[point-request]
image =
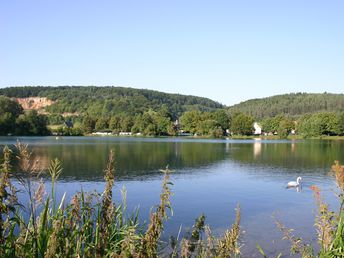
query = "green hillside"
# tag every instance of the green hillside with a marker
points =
(108, 101)
(294, 104)
(84, 110)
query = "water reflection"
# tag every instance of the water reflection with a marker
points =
(257, 148)
(84, 158)
(297, 188)
(294, 154)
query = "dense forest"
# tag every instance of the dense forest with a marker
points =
(112, 109)
(294, 105)
(85, 110)
(108, 101)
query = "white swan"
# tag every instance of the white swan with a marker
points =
(295, 184)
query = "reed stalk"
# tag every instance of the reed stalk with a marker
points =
(150, 240)
(4, 195)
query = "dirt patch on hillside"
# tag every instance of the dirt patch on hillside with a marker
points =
(34, 102)
(68, 114)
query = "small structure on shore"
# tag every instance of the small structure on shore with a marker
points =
(68, 124)
(125, 133)
(102, 133)
(257, 129)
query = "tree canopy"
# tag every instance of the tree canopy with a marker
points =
(242, 124)
(108, 101)
(148, 112)
(295, 104)
(9, 111)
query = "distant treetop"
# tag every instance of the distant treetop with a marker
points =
(294, 104)
(107, 101)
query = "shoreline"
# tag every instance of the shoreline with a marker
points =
(233, 137)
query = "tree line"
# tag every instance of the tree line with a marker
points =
(14, 121)
(219, 123)
(109, 101)
(294, 104)
(161, 121)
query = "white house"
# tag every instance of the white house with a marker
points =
(257, 129)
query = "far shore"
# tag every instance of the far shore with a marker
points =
(232, 137)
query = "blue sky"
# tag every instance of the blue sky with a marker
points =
(229, 51)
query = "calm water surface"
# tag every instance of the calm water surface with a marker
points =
(211, 176)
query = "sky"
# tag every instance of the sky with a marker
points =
(228, 51)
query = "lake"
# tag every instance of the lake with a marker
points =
(210, 176)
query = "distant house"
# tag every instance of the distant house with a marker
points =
(125, 133)
(102, 133)
(257, 129)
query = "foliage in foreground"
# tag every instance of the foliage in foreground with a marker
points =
(92, 225)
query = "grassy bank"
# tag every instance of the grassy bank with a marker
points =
(92, 225)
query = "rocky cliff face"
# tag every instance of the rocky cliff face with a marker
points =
(34, 102)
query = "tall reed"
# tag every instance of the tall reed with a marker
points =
(150, 240)
(6, 206)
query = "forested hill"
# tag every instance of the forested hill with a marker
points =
(100, 101)
(294, 104)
